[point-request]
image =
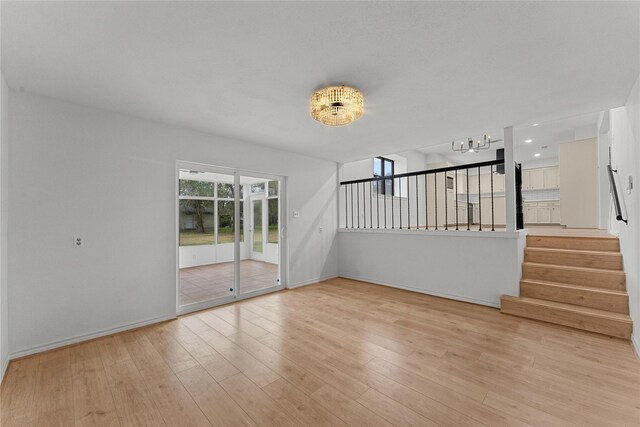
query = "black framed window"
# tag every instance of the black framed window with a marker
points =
(383, 167)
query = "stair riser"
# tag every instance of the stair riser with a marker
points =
(567, 318)
(597, 279)
(581, 297)
(611, 261)
(577, 243)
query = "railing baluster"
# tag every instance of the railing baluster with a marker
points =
(479, 201)
(378, 202)
(358, 201)
(371, 204)
(435, 187)
(468, 216)
(492, 220)
(417, 203)
(426, 204)
(457, 208)
(446, 213)
(393, 222)
(408, 205)
(351, 205)
(400, 200)
(384, 198)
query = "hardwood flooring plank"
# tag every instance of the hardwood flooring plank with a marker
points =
(261, 408)
(347, 409)
(217, 405)
(132, 399)
(300, 406)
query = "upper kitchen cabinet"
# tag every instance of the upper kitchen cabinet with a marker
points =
(551, 177)
(540, 178)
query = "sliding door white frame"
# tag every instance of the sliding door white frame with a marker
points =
(282, 240)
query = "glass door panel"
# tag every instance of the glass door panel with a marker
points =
(257, 227)
(206, 230)
(260, 264)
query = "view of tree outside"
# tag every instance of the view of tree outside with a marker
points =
(272, 211)
(197, 212)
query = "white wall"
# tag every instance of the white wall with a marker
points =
(111, 178)
(579, 183)
(468, 266)
(4, 171)
(625, 158)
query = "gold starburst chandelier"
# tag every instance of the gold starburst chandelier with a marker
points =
(337, 105)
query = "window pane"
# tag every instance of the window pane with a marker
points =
(225, 221)
(225, 191)
(196, 222)
(196, 188)
(257, 188)
(273, 221)
(388, 167)
(377, 167)
(273, 188)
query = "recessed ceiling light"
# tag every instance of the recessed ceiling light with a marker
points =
(535, 124)
(536, 155)
(528, 140)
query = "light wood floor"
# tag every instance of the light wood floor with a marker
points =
(337, 353)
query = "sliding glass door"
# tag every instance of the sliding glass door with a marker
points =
(229, 232)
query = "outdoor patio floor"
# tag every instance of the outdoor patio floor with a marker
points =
(211, 281)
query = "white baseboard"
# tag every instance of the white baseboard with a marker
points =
(311, 281)
(636, 346)
(86, 337)
(427, 292)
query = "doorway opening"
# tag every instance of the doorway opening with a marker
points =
(229, 235)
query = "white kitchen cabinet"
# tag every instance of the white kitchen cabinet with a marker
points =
(526, 179)
(551, 177)
(536, 179)
(555, 214)
(531, 214)
(545, 212)
(541, 178)
(544, 215)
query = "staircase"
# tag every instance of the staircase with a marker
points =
(575, 281)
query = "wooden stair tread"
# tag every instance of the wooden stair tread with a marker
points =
(561, 236)
(574, 251)
(572, 308)
(574, 268)
(577, 287)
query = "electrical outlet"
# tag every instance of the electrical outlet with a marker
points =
(296, 214)
(78, 241)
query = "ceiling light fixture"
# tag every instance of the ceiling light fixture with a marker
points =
(535, 124)
(536, 155)
(474, 146)
(528, 141)
(337, 105)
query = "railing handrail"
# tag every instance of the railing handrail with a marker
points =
(614, 191)
(426, 172)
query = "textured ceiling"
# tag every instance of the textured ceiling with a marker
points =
(430, 72)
